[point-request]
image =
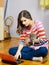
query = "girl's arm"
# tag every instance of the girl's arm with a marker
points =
(18, 53)
(21, 45)
(40, 32)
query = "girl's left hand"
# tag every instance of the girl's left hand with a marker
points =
(36, 41)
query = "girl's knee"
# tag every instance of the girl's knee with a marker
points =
(44, 51)
(13, 50)
(10, 51)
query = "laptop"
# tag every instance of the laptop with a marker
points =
(7, 58)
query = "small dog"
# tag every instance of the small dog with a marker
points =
(30, 40)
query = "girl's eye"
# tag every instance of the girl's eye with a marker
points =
(24, 20)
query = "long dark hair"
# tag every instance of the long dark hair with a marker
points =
(20, 26)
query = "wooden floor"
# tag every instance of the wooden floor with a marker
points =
(5, 45)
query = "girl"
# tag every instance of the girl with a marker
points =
(26, 26)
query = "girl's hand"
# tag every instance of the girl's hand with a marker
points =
(18, 54)
(36, 41)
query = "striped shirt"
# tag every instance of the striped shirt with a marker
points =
(38, 29)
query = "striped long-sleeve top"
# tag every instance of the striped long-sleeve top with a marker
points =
(38, 29)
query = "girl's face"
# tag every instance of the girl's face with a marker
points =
(25, 21)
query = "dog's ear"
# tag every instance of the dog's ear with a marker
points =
(32, 35)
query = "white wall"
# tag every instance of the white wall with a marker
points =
(15, 6)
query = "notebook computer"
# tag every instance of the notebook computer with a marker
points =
(7, 58)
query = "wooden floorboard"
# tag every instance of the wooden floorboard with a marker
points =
(6, 44)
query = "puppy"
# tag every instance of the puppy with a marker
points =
(30, 40)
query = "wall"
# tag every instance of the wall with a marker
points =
(15, 6)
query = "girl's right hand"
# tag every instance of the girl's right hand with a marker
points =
(18, 54)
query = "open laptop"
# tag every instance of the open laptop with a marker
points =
(9, 59)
